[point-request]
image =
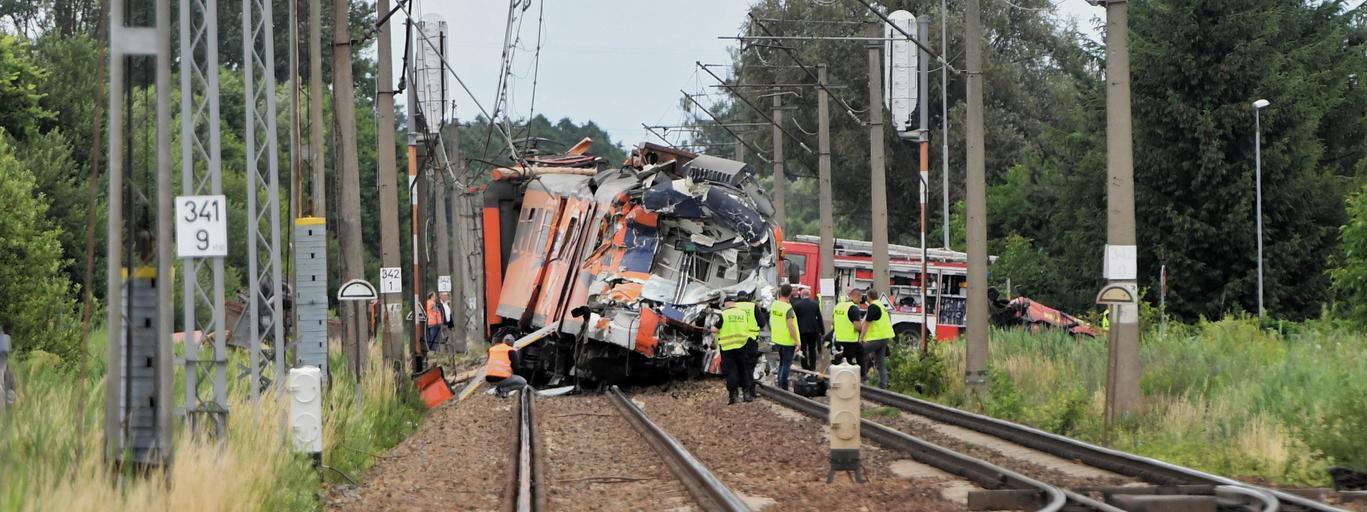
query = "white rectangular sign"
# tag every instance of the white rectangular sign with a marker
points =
(1121, 262)
(201, 226)
(443, 283)
(827, 287)
(391, 279)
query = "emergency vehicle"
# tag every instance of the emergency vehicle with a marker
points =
(946, 282)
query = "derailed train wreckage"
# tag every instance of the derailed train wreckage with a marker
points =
(628, 266)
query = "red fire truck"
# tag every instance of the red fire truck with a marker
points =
(946, 281)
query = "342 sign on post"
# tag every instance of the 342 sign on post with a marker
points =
(201, 226)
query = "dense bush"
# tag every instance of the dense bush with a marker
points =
(35, 299)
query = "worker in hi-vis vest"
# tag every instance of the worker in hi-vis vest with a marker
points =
(758, 319)
(877, 337)
(498, 370)
(434, 320)
(847, 328)
(783, 332)
(733, 336)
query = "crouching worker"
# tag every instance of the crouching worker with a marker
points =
(498, 370)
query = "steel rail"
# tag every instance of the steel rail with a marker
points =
(706, 488)
(529, 494)
(1144, 468)
(977, 470)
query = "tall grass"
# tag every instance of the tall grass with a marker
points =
(50, 462)
(1223, 396)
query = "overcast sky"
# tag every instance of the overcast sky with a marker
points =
(618, 63)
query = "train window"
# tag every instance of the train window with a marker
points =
(544, 233)
(566, 242)
(526, 231)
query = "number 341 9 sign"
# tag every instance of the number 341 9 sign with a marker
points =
(201, 226)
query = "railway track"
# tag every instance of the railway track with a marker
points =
(1048, 498)
(1153, 477)
(530, 487)
(1163, 475)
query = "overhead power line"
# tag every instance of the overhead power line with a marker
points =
(758, 152)
(767, 116)
(447, 66)
(807, 70)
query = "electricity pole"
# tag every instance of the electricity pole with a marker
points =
(414, 104)
(924, 136)
(348, 186)
(975, 357)
(882, 276)
(1122, 390)
(779, 181)
(944, 122)
(389, 202)
(317, 153)
(823, 165)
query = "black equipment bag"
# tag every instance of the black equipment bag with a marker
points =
(810, 386)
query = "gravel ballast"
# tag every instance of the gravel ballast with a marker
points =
(778, 459)
(457, 460)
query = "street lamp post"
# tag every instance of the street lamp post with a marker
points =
(1258, 192)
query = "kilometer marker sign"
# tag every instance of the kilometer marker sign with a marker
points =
(201, 226)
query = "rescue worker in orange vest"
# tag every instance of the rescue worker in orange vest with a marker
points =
(434, 320)
(733, 336)
(498, 370)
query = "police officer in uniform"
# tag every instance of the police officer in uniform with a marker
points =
(783, 332)
(847, 327)
(733, 338)
(758, 319)
(877, 338)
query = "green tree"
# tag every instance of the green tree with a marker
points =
(63, 183)
(21, 110)
(34, 290)
(1197, 67)
(1350, 277)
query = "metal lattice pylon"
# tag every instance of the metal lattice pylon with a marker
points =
(201, 173)
(263, 228)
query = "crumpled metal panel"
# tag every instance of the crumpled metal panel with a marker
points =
(672, 198)
(731, 212)
(673, 244)
(640, 241)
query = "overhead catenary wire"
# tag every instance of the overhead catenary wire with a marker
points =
(447, 66)
(807, 70)
(536, 66)
(758, 152)
(767, 116)
(500, 93)
(910, 37)
(658, 136)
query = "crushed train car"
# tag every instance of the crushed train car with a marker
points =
(630, 264)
